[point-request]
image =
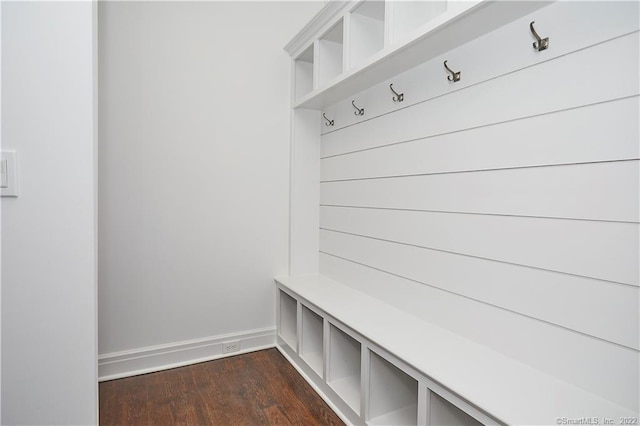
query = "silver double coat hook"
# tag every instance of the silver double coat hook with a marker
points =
(399, 97)
(455, 76)
(542, 43)
(358, 111)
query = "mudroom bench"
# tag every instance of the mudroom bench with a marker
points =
(375, 364)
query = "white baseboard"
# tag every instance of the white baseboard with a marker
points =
(117, 365)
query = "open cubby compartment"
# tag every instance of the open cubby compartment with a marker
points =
(366, 31)
(408, 16)
(304, 72)
(343, 373)
(288, 319)
(393, 394)
(311, 340)
(330, 53)
(444, 413)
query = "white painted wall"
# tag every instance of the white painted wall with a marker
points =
(194, 168)
(49, 346)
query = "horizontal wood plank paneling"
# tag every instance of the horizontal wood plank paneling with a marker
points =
(562, 83)
(597, 191)
(577, 303)
(566, 246)
(612, 370)
(558, 138)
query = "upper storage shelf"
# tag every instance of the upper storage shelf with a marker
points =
(330, 54)
(366, 31)
(369, 41)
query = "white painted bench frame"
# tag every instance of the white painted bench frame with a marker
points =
(485, 384)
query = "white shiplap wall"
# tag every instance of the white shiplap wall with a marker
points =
(504, 206)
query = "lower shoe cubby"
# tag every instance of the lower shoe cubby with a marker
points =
(393, 394)
(311, 340)
(288, 320)
(344, 367)
(444, 413)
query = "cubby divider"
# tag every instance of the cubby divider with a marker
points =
(393, 394)
(288, 319)
(311, 340)
(344, 372)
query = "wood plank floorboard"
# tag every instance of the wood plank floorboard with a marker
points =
(259, 388)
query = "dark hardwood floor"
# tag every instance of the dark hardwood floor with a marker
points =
(253, 389)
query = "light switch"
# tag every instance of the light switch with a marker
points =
(8, 174)
(4, 182)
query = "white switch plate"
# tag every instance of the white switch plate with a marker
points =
(8, 174)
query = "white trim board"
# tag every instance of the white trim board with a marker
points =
(150, 359)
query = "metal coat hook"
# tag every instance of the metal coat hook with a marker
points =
(329, 122)
(542, 43)
(358, 111)
(455, 76)
(399, 97)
